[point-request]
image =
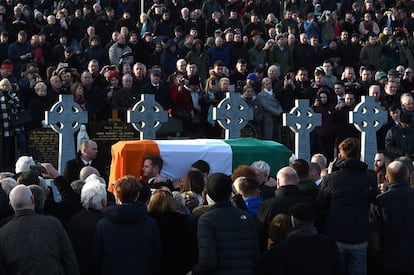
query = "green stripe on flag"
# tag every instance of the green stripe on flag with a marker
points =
(248, 150)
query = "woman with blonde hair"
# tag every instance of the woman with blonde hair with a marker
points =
(209, 99)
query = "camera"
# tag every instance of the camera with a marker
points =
(38, 169)
(183, 81)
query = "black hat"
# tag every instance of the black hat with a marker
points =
(406, 118)
(303, 211)
(156, 72)
(219, 187)
(394, 72)
(178, 29)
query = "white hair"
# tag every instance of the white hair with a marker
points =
(23, 163)
(95, 177)
(262, 166)
(93, 193)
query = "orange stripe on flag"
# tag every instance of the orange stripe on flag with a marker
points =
(129, 150)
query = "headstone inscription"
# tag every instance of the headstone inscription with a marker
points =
(232, 114)
(65, 118)
(302, 120)
(368, 117)
(106, 134)
(43, 145)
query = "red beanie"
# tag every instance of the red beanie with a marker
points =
(114, 74)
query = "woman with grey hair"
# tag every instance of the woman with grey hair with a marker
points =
(267, 184)
(81, 228)
(39, 103)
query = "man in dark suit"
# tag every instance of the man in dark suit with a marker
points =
(86, 157)
(151, 170)
(156, 87)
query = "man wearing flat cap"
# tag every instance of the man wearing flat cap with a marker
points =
(226, 235)
(157, 88)
(313, 253)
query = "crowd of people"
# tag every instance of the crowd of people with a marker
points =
(191, 53)
(311, 218)
(339, 218)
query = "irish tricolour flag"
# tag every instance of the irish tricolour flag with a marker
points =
(178, 155)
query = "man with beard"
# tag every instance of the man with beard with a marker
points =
(381, 161)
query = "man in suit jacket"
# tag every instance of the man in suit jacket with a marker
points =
(156, 87)
(151, 170)
(86, 157)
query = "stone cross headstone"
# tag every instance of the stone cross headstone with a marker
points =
(368, 117)
(147, 116)
(302, 120)
(232, 114)
(65, 118)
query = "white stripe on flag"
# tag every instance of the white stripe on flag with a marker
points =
(178, 155)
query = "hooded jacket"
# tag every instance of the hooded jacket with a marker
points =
(327, 111)
(347, 193)
(127, 240)
(169, 58)
(199, 58)
(257, 56)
